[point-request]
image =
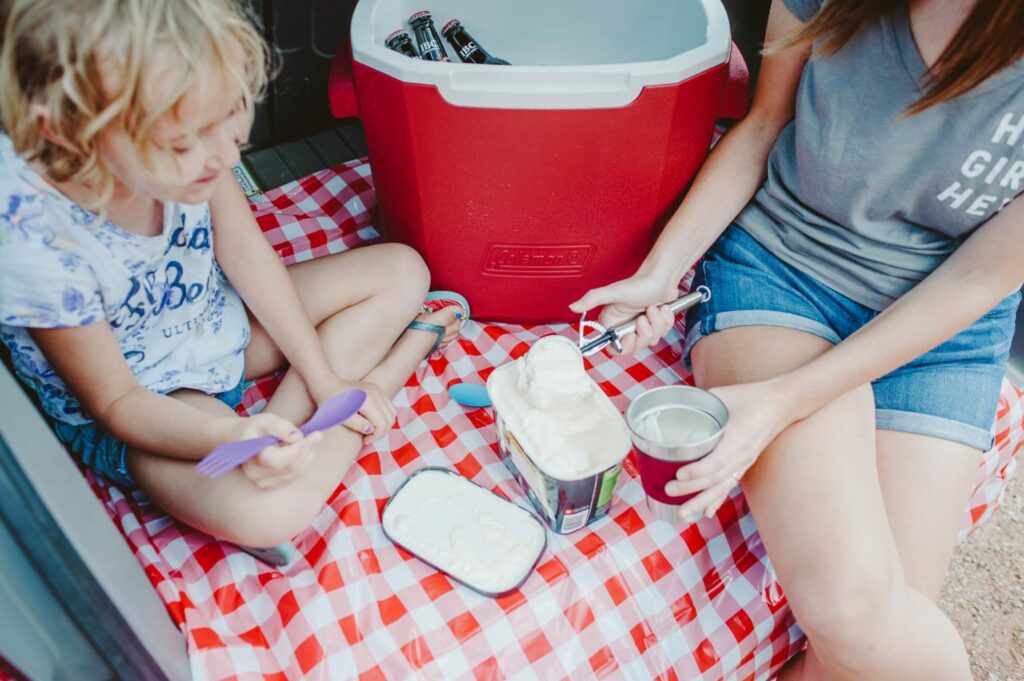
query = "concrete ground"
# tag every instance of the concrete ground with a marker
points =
(984, 593)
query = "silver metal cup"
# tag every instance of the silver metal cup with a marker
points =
(688, 425)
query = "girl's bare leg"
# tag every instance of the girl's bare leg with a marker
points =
(818, 504)
(361, 302)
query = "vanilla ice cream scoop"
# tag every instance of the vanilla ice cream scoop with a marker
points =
(559, 415)
(552, 371)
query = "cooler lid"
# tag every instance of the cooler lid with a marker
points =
(573, 54)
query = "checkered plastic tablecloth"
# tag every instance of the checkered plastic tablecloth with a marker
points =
(626, 598)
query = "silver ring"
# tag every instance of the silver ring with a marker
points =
(735, 477)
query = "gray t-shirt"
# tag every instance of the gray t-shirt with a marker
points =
(869, 203)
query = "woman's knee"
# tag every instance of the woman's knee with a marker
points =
(842, 610)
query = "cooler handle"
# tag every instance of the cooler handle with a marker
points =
(341, 85)
(736, 95)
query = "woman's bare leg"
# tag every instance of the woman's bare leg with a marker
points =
(926, 483)
(818, 504)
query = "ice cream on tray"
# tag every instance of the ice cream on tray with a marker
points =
(471, 534)
(562, 419)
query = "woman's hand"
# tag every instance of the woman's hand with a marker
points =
(373, 420)
(642, 294)
(758, 412)
(277, 464)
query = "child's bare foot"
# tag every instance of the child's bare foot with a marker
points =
(438, 324)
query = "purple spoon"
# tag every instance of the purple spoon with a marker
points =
(233, 454)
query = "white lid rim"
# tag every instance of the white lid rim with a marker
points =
(543, 87)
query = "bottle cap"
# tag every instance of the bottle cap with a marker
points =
(394, 35)
(450, 26)
(419, 15)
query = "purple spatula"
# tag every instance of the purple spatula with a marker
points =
(233, 454)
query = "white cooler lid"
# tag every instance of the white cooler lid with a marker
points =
(569, 54)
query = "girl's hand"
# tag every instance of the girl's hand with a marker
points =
(278, 464)
(374, 419)
(641, 294)
(758, 412)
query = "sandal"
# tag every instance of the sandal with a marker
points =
(438, 300)
(281, 555)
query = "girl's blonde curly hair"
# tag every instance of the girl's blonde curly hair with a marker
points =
(55, 54)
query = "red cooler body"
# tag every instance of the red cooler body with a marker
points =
(523, 186)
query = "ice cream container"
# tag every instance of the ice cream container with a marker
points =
(469, 533)
(559, 434)
(671, 427)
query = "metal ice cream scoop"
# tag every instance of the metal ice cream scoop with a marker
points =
(614, 335)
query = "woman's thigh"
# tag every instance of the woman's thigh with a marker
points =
(926, 483)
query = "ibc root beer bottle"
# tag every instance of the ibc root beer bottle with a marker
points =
(427, 38)
(400, 42)
(469, 50)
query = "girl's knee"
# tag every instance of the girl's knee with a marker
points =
(405, 268)
(264, 523)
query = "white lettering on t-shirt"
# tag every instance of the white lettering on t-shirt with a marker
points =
(995, 168)
(1012, 131)
(1013, 176)
(959, 197)
(980, 206)
(976, 163)
(994, 173)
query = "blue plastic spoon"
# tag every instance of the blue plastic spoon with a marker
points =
(470, 395)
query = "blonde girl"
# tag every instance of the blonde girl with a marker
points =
(137, 294)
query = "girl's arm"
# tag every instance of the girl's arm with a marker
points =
(730, 176)
(980, 273)
(260, 278)
(90, 363)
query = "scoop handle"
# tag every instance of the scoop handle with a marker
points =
(675, 307)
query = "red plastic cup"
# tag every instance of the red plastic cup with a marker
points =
(671, 427)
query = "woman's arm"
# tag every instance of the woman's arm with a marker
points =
(980, 273)
(728, 179)
(736, 167)
(260, 278)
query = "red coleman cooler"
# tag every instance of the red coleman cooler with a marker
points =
(523, 186)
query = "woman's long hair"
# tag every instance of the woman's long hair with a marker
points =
(990, 39)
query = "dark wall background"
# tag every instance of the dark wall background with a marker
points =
(307, 33)
(748, 19)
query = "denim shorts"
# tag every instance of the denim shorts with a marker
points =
(950, 392)
(107, 455)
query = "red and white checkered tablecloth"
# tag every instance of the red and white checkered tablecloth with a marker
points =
(626, 598)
